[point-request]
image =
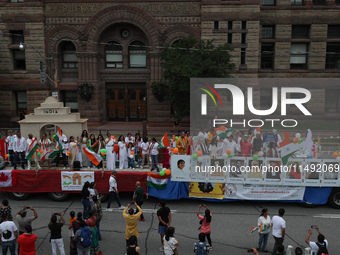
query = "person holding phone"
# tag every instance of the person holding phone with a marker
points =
(131, 221)
(205, 225)
(322, 243)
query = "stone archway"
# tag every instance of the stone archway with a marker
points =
(122, 14)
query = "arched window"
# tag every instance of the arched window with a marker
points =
(114, 55)
(68, 51)
(137, 54)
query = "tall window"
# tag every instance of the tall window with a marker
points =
(268, 32)
(216, 25)
(230, 38)
(267, 55)
(296, 2)
(230, 25)
(319, 2)
(17, 36)
(114, 55)
(243, 38)
(69, 57)
(333, 55)
(298, 55)
(19, 61)
(300, 32)
(332, 98)
(243, 56)
(268, 2)
(21, 99)
(137, 54)
(333, 32)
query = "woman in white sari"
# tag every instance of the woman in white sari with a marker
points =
(123, 160)
(110, 155)
(73, 152)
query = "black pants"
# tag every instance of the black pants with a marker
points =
(278, 241)
(140, 205)
(209, 239)
(58, 158)
(11, 156)
(19, 158)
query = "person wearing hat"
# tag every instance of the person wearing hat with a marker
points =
(65, 150)
(182, 144)
(113, 191)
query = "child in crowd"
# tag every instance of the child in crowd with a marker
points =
(131, 157)
(71, 232)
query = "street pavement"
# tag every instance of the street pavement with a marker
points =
(231, 223)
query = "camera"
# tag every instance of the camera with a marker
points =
(250, 250)
(56, 214)
(28, 207)
(313, 227)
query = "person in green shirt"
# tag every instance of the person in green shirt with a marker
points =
(138, 197)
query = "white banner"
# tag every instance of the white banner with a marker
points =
(75, 180)
(262, 192)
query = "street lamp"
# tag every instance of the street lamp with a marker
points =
(85, 90)
(42, 64)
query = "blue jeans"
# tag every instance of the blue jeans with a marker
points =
(87, 207)
(98, 225)
(113, 195)
(8, 245)
(132, 162)
(154, 159)
(89, 163)
(263, 239)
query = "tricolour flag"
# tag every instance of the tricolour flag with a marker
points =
(164, 141)
(8, 178)
(59, 139)
(157, 181)
(230, 131)
(287, 149)
(51, 154)
(32, 148)
(93, 157)
(253, 229)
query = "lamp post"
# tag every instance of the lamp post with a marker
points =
(85, 90)
(42, 65)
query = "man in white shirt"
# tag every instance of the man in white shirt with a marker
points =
(322, 242)
(29, 142)
(129, 139)
(10, 141)
(229, 144)
(278, 229)
(19, 148)
(113, 191)
(9, 234)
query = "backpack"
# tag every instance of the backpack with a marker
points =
(85, 237)
(322, 248)
(201, 248)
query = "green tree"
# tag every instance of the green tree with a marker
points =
(189, 58)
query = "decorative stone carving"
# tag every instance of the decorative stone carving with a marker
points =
(89, 9)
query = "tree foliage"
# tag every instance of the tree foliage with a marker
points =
(189, 58)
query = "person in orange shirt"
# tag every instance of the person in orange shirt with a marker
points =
(182, 144)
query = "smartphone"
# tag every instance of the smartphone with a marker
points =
(313, 227)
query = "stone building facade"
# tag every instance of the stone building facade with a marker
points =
(114, 46)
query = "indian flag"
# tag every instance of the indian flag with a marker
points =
(165, 141)
(58, 137)
(157, 181)
(288, 150)
(32, 148)
(50, 154)
(94, 157)
(230, 131)
(262, 228)
(253, 229)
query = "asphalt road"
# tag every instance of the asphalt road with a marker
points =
(230, 225)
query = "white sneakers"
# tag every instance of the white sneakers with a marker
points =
(121, 207)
